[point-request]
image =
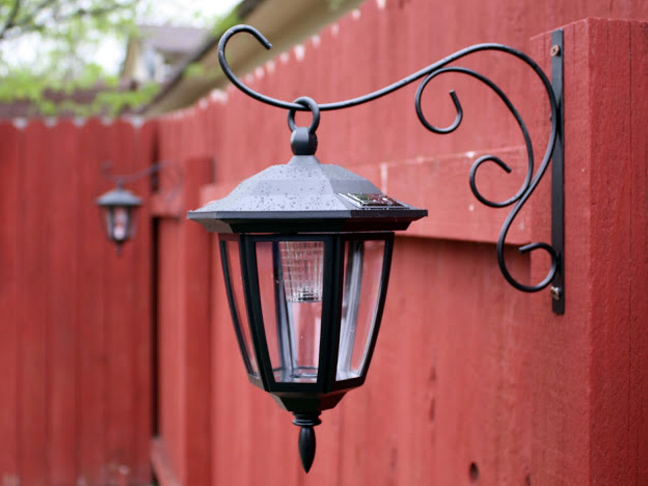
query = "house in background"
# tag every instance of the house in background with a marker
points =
(153, 55)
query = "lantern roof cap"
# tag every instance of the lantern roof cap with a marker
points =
(119, 197)
(305, 196)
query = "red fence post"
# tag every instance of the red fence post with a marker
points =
(590, 399)
(183, 453)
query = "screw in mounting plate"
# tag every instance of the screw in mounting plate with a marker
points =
(555, 293)
(555, 50)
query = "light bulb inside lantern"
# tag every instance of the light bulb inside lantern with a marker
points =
(302, 264)
(120, 224)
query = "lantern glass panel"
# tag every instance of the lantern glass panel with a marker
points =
(109, 218)
(363, 264)
(121, 218)
(291, 284)
(120, 222)
(234, 282)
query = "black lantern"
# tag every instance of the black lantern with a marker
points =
(306, 251)
(118, 209)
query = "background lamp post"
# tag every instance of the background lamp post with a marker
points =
(306, 250)
(306, 247)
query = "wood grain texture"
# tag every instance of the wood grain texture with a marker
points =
(638, 333)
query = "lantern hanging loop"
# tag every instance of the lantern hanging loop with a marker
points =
(303, 140)
(312, 106)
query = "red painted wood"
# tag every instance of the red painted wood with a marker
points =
(163, 207)
(33, 302)
(69, 377)
(638, 336)
(611, 243)
(170, 377)
(195, 281)
(589, 401)
(161, 462)
(9, 289)
(63, 244)
(91, 308)
(142, 318)
(184, 307)
(118, 295)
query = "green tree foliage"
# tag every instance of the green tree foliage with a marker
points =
(57, 40)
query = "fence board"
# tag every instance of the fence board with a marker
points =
(118, 324)
(32, 302)
(61, 172)
(91, 309)
(141, 275)
(9, 274)
(638, 338)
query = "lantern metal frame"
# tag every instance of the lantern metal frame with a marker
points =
(554, 152)
(333, 288)
(306, 400)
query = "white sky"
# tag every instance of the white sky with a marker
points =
(182, 11)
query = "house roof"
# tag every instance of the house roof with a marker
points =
(284, 22)
(173, 40)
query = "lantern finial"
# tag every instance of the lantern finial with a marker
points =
(307, 443)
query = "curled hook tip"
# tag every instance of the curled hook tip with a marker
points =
(249, 29)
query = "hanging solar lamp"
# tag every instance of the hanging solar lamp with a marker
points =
(118, 209)
(306, 250)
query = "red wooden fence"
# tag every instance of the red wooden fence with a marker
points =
(472, 382)
(75, 319)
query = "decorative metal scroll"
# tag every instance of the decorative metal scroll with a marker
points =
(153, 170)
(531, 180)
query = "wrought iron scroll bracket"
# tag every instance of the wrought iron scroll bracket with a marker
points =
(152, 170)
(554, 152)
